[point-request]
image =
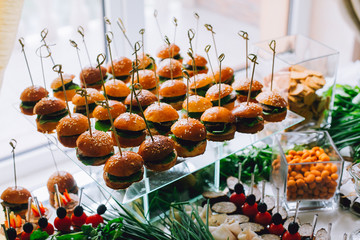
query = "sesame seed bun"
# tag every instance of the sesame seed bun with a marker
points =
(144, 60)
(276, 117)
(116, 108)
(129, 122)
(197, 104)
(56, 83)
(157, 150)
(145, 98)
(64, 180)
(116, 88)
(189, 129)
(91, 75)
(222, 137)
(162, 112)
(94, 95)
(164, 52)
(129, 142)
(98, 145)
(147, 79)
(226, 74)
(217, 114)
(272, 99)
(200, 61)
(49, 105)
(125, 164)
(70, 128)
(198, 150)
(172, 88)
(161, 167)
(213, 92)
(243, 110)
(122, 66)
(15, 195)
(165, 68)
(33, 94)
(243, 84)
(200, 81)
(69, 94)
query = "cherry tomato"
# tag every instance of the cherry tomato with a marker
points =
(289, 236)
(263, 218)
(250, 210)
(238, 199)
(94, 220)
(276, 229)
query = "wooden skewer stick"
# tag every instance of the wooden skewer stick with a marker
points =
(108, 22)
(43, 35)
(39, 54)
(137, 48)
(57, 68)
(157, 83)
(74, 44)
(186, 75)
(21, 41)
(220, 59)
(175, 26)
(207, 49)
(190, 53)
(272, 46)
(157, 23)
(253, 60)
(13, 144)
(109, 36)
(123, 30)
(210, 29)
(245, 36)
(83, 93)
(81, 31)
(142, 31)
(197, 17)
(166, 39)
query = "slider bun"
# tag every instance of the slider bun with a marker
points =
(94, 95)
(91, 75)
(64, 180)
(161, 167)
(116, 108)
(162, 112)
(275, 117)
(272, 99)
(172, 88)
(222, 137)
(200, 61)
(124, 165)
(164, 52)
(33, 94)
(49, 105)
(122, 66)
(47, 127)
(116, 88)
(165, 68)
(198, 150)
(155, 151)
(74, 125)
(27, 111)
(129, 122)
(97, 145)
(129, 142)
(15, 195)
(189, 129)
(217, 114)
(115, 185)
(143, 61)
(243, 110)
(243, 84)
(69, 94)
(147, 79)
(56, 83)
(213, 92)
(201, 80)
(145, 98)
(197, 104)
(246, 129)
(226, 73)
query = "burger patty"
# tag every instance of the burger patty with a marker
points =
(28, 105)
(173, 99)
(163, 79)
(250, 122)
(88, 161)
(268, 110)
(120, 99)
(196, 115)
(122, 78)
(197, 68)
(225, 100)
(100, 82)
(82, 108)
(135, 177)
(189, 145)
(161, 127)
(53, 117)
(68, 86)
(253, 94)
(202, 90)
(129, 134)
(14, 207)
(217, 127)
(169, 158)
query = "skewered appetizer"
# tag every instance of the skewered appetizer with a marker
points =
(145, 62)
(227, 75)
(145, 97)
(91, 78)
(169, 69)
(160, 118)
(227, 96)
(242, 87)
(165, 52)
(29, 97)
(147, 80)
(173, 92)
(122, 68)
(219, 124)
(201, 82)
(16, 199)
(195, 106)
(65, 181)
(248, 118)
(70, 87)
(102, 116)
(200, 65)
(274, 106)
(80, 103)
(116, 90)
(70, 128)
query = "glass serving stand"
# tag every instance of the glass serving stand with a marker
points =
(355, 174)
(186, 169)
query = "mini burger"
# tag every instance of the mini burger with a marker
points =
(80, 103)
(227, 75)
(122, 68)
(145, 97)
(122, 170)
(173, 92)
(165, 52)
(158, 154)
(160, 118)
(70, 87)
(102, 116)
(169, 69)
(189, 136)
(16, 198)
(65, 182)
(197, 106)
(116, 90)
(130, 130)
(200, 65)
(49, 112)
(201, 82)
(242, 87)
(147, 80)
(70, 128)
(145, 62)
(227, 96)
(29, 97)
(248, 118)
(274, 106)
(94, 149)
(91, 77)
(219, 123)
